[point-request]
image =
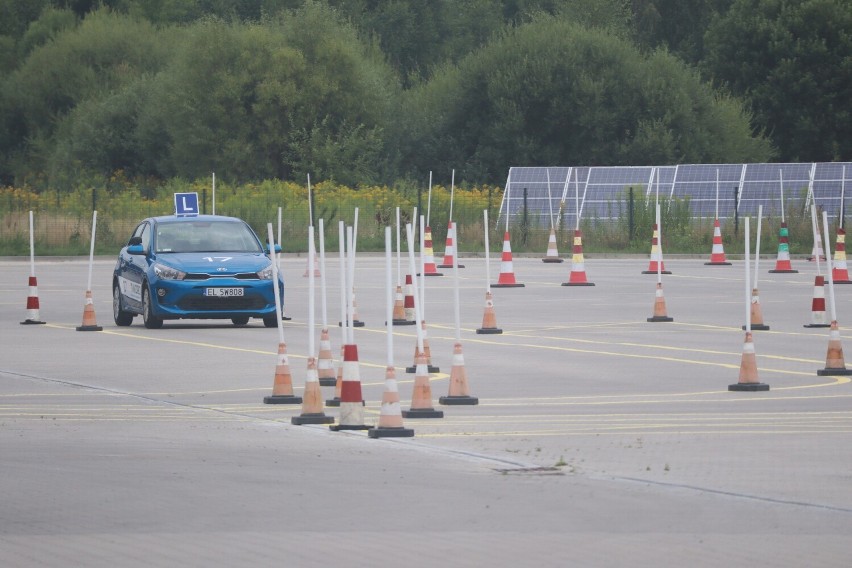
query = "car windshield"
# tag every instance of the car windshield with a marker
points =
(205, 236)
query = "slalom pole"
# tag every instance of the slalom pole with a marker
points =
(275, 285)
(322, 275)
(452, 195)
(398, 257)
(429, 200)
(214, 193)
(815, 231)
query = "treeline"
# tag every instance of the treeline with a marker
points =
(366, 92)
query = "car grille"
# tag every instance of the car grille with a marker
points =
(204, 304)
(202, 276)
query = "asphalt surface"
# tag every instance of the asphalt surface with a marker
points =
(600, 439)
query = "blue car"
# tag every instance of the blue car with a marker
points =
(195, 267)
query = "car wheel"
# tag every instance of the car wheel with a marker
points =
(151, 321)
(121, 317)
(242, 320)
(270, 321)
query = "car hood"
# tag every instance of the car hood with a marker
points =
(217, 263)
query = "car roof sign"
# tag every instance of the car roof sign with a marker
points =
(186, 204)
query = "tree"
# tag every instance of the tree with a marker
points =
(792, 61)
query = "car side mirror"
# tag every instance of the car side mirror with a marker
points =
(135, 249)
(277, 248)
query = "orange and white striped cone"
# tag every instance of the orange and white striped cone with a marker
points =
(756, 312)
(421, 398)
(459, 392)
(656, 264)
(282, 388)
(552, 254)
(429, 268)
(408, 302)
(426, 351)
(32, 304)
(390, 415)
(818, 318)
(717, 254)
(312, 408)
(817, 251)
(325, 361)
(399, 308)
(839, 270)
(577, 277)
(489, 319)
(351, 402)
(308, 267)
(507, 270)
(659, 306)
(338, 384)
(89, 321)
(834, 361)
(450, 249)
(748, 380)
(782, 262)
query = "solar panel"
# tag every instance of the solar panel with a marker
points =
(565, 194)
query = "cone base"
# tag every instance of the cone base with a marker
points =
(660, 318)
(333, 401)
(33, 322)
(489, 330)
(783, 271)
(339, 427)
(90, 328)
(286, 318)
(329, 382)
(431, 274)
(516, 285)
(549, 259)
(748, 387)
(356, 323)
(449, 266)
(817, 325)
(758, 327)
(402, 322)
(282, 399)
(430, 368)
(842, 282)
(717, 264)
(656, 272)
(312, 419)
(834, 371)
(423, 413)
(391, 433)
(578, 284)
(458, 400)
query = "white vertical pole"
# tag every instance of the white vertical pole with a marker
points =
(828, 267)
(842, 197)
(815, 230)
(271, 239)
(757, 245)
(747, 282)
(429, 199)
(92, 250)
(659, 244)
(278, 254)
(213, 199)
(487, 254)
(717, 194)
(422, 268)
(32, 246)
(389, 295)
(577, 201)
(411, 267)
(311, 291)
(310, 203)
(452, 195)
(344, 313)
(456, 295)
(398, 256)
(550, 199)
(781, 175)
(324, 302)
(350, 289)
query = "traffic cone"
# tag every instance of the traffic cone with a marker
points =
(312, 409)
(489, 319)
(429, 268)
(426, 351)
(818, 304)
(399, 309)
(32, 304)
(839, 271)
(459, 392)
(756, 312)
(338, 384)
(325, 363)
(351, 403)
(659, 306)
(834, 362)
(355, 321)
(748, 380)
(577, 277)
(282, 388)
(390, 416)
(656, 264)
(408, 303)
(449, 250)
(717, 254)
(782, 262)
(421, 399)
(507, 272)
(817, 251)
(552, 254)
(89, 322)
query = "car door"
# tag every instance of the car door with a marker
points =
(133, 267)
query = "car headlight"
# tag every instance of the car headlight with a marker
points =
(266, 273)
(168, 273)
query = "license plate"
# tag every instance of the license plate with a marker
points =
(223, 292)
